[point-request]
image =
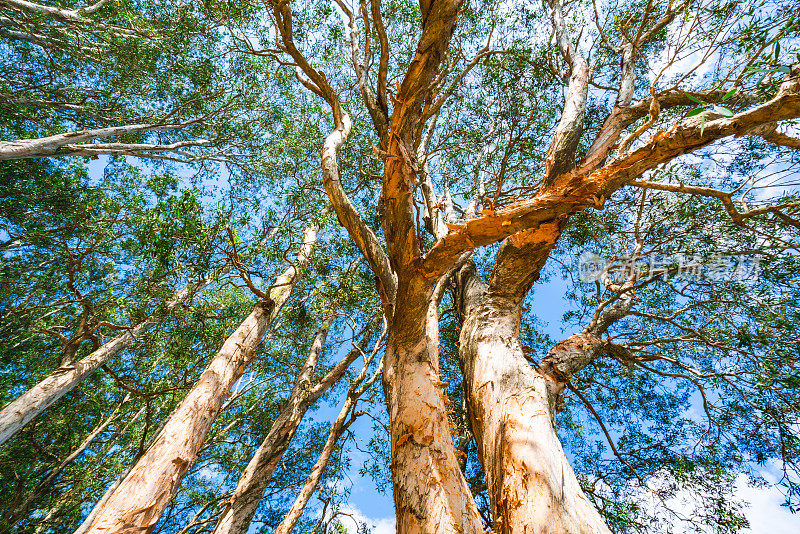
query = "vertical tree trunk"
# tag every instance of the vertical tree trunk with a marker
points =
(30, 404)
(138, 502)
(343, 421)
(511, 405)
(430, 492)
(240, 509)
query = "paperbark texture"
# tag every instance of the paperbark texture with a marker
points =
(430, 492)
(138, 502)
(511, 408)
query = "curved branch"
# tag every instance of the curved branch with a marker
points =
(348, 216)
(586, 187)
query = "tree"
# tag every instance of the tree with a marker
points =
(534, 115)
(530, 227)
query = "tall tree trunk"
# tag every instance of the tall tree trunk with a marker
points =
(138, 502)
(343, 421)
(511, 407)
(241, 507)
(430, 492)
(87, 522)
(37, 399)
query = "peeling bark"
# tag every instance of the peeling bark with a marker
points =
(532, 487)
(588, 186)
(138, 502)
(430, 492)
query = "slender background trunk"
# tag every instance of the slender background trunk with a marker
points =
(346, 417)
(30, 404)
(241, 507)
(138, 502)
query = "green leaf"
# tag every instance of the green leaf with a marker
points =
(729, 94)
(777, 49)
(784, 69)
(724, 111)
(695, 111)
(693, 99)
(702, 124)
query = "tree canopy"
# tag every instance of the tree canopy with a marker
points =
(529, 266)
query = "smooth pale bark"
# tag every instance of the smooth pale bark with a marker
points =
(69, 15)
(30, 404)
(560, 155)
(241, 507)
(511, 406)
(73, 143)
(138, 502)
(340, 425)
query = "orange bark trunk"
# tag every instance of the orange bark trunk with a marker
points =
(430, 492)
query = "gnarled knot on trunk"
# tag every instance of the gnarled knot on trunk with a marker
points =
(266, 304)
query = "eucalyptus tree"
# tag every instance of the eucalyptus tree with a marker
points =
(528, 113)
(582, 167)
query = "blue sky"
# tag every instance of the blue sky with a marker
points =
(765, 513)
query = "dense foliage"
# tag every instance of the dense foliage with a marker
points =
(214, 173)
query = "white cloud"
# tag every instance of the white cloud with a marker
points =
(381, 525)
(765, 512)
